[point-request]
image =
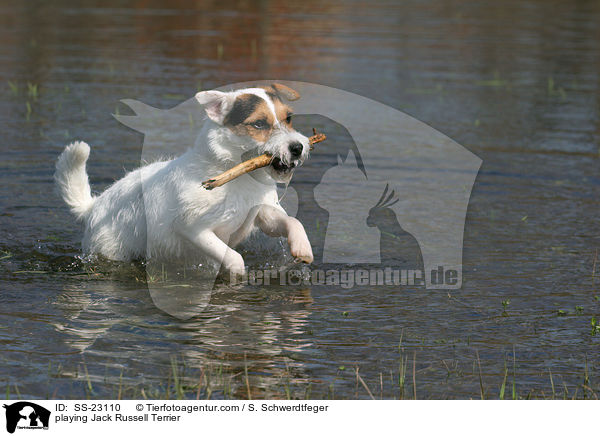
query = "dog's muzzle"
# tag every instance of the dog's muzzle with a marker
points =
(289, 157)
(282, 168)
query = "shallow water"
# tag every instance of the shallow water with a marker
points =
(514, 82)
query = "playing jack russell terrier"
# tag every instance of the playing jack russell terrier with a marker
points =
(162, 209)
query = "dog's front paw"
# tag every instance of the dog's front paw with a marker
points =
(233, 275)
(300, 248)
(235, 265)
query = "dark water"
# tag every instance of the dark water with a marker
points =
(516, 82)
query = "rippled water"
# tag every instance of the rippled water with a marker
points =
(515, 82)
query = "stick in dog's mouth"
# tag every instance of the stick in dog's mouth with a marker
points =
(257, 162)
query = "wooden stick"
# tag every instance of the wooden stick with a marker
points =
(252, 164)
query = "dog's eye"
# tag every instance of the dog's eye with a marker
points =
(260, 124)
(288, 119)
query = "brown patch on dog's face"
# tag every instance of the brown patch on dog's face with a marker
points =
(251, 116)
(277, 92)
(284, 112)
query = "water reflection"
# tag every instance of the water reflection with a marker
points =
(247, 329)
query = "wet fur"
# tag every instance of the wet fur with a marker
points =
(160, 209)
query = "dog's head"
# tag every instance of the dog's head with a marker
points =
(257, 118)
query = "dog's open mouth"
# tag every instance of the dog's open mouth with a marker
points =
(280, 167)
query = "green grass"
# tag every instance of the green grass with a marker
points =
(223, 381)
(503, 385)
(32, 90)
(595, 326)
(178, 97)
(554, 91)
(505, 304)
(14, 88)
(495, 82)
(438, 89)
(214, 382)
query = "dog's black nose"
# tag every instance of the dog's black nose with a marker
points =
(295, 149)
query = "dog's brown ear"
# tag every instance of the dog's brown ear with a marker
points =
(289, 93)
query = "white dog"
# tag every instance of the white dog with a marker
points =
(160, 209)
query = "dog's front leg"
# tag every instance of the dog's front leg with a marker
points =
(211, 245)
(275, 222)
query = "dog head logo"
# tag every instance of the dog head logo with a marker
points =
(429, 174)
(26, 415)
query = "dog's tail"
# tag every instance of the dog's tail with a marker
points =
(72, 180)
